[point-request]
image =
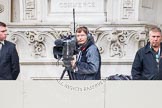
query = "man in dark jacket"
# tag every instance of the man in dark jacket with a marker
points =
(9, 60)
(146, 65)
(88, 62)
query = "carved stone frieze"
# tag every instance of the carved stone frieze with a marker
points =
(33, 39)
(112, 42)
(117, 40)
(14, 38)
(36, 39)
(58, 34)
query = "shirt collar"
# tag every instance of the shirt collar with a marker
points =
(2, 42)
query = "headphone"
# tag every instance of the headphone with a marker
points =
(89, 35)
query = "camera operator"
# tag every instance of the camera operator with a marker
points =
(87, 63)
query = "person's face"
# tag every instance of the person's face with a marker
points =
(81, 37)
(155, 39)
(3, 33)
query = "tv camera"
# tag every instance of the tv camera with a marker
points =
(65, 48)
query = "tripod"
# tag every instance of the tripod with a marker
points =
(70, 72)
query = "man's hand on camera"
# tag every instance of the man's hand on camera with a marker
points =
(73, 62)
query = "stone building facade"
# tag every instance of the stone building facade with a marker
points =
(119, 28)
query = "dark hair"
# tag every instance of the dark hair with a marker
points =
(84, 29)
(2, 24)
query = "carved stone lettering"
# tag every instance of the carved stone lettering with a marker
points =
(30, 10)
(128, 9)
(79, 5)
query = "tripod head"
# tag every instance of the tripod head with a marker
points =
(70, 71)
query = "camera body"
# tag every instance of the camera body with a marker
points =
(65, 48)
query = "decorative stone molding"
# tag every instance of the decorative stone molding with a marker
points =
(1, 8)
(128, 9)
(113, 42)
(36, 39)
(140, 36)
(14, 36)
(57, 34)
(33, 39)
(117, 40)
(30, 10)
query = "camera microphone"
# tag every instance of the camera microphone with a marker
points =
(58, 42)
